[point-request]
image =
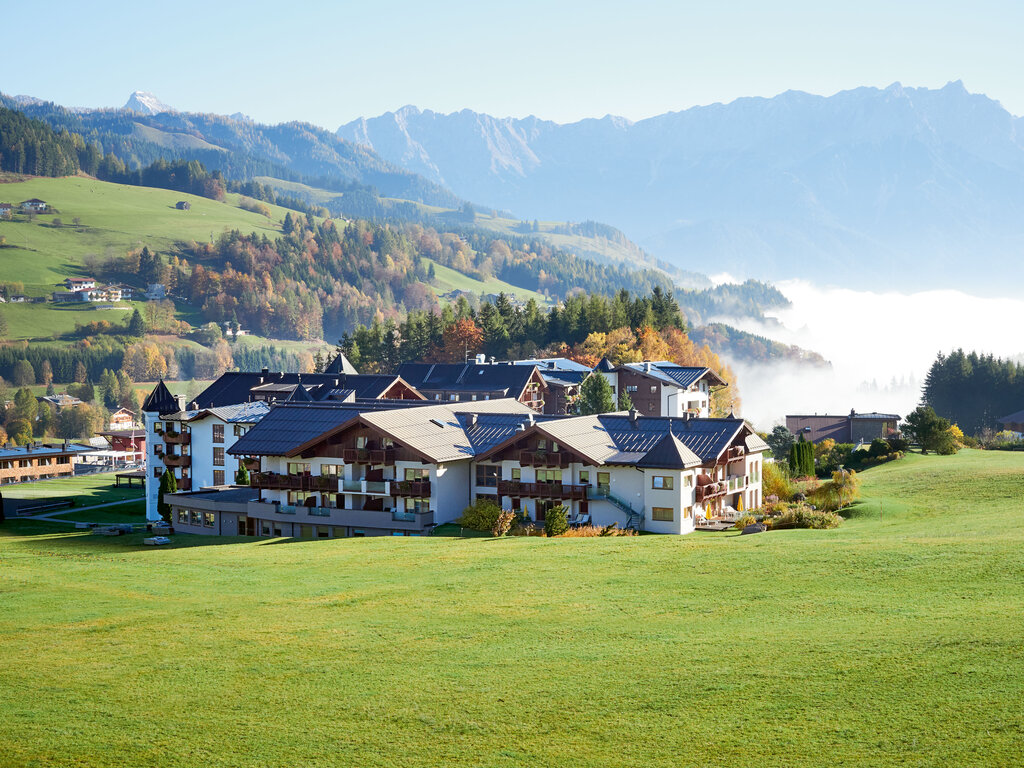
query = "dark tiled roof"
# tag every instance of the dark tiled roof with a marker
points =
(877, 416)
(289, 426)
(341, 364)
(239, 387)
(669, 453)
(299, 394)
(680, 375)
(564, 378)
(1013, 418)
(233, 495)
(605, 366)
(468, 377)
(160, 400)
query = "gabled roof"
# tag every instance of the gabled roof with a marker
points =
(509, 380)
(551, 364)
(160, 400)
(565, 378)
(241, 387)
(678, 375)
(669, 453)
(341, 364)
(299, 394)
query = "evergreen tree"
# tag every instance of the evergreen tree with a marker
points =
(242, 475)
(625, 401)
(168, 484)
(596, 396)
(136, 325)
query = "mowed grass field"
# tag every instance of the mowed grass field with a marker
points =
(893, 640)
(86, 490)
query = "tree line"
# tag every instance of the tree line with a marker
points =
(972, 390)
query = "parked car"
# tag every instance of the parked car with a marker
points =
(156, 541)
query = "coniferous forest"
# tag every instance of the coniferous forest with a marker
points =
(973, 390)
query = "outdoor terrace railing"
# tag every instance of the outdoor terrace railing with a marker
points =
(177, 438)
(275, 481)
(368, 455)
(542, 490)
(543, 459)
(177, 460)
(415, 488)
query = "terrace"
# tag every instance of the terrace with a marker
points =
(515, 488)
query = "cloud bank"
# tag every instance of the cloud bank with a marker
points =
(881, 345)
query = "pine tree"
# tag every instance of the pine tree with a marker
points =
(136, 325)
(596, 396)
(625, 401)
(168, 484)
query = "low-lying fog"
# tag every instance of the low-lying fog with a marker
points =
(880, 345)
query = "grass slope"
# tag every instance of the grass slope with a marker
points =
(85, 489)
(879, 643)
(114, 218)
(448, 279)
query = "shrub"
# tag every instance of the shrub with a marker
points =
(503, 523)
(588, 531)
(555, 523)
(898, 443)
(879, 448)
(481, 516)
(744, 521)
(526, 529)
(802, 516)
(775, 481)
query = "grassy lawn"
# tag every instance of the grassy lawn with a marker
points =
(449, 279)
(130, 512)
(892, 642)
(85, 489)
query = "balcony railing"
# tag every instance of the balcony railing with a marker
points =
(272, 481)
(369, 487)
(368, 455)
(177, 460)
(358, 518)
(735, 453)
(543, 459)
(301, 509)
(516, 488)
(705, 492)
(185, 484)
(415, 488)
(177, 438)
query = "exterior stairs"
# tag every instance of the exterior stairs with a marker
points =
(634, 519)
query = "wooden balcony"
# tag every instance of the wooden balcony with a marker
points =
(251, 463)
(185, 484)
(368, 456)
(272, 481)
(543, 459)
(704, 492)
(177, 460)
(178, 438)
(735, 453)
(515, 488)
(415, 488)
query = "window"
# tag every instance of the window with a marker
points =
(361, 442)
(517, 504)
(554, 447)
(358, 533)
(208, 519)
(331, 470)
(412, 473)
(663, 514)
(264, 528)
(157, 471)
(277, 530)
(194, 518)
(218, 457)
(218, 433)
(453, 398)
(297, 498)
(419, 506)
(387, 442)
(436, 397)
(323, 532)
(687, 512)
(218, 477)
(661, 482)
(239, 430)
(473, 397)
(551, 476)
(183, 516)
(298, 468)
(654, 388)
(584, 478)
(631, 387)
(517, 474)
(487, 475)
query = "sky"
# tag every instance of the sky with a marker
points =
(331, 62)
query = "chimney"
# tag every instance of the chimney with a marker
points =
(647, 366)
(530, 418)
(180, 400)
(634, 415)
(471, 421)
(265, 370)
(492, 359)
(28, 447)
(481, 359)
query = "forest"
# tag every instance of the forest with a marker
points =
(972, 390)
(622, 327)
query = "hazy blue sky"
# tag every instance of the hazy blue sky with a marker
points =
(328, 63)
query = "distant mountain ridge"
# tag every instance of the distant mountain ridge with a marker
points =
(864, 187)
(146, 103)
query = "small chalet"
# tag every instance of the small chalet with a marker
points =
(122, 418)
(80, 283)
(6, 209)
(35, 205)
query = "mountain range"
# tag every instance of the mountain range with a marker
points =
(867, 188)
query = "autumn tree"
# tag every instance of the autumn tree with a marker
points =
(462, 341)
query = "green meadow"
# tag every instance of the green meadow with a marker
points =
(894, 640)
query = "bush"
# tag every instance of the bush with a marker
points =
(898, 443)
(744, 521)
(802, 516)
(526, 529)
(879, 448)
(503, 523)
(775, 481)
(555, 523)
(588, 531)
(481, 516)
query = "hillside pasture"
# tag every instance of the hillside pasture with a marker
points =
(893, 640)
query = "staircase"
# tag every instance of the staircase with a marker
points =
(634, 519)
